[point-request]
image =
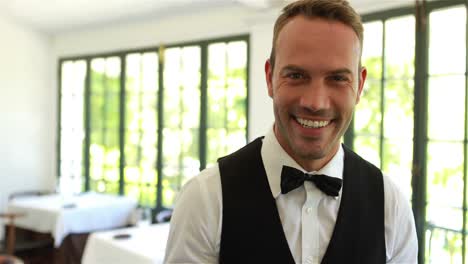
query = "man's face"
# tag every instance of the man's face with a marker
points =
(315, 84)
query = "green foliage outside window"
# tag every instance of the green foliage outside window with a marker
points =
(136, 111)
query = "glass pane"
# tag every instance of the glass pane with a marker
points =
(399, 55)
(399, 115)
(466, 242)
(216, 148)
(180, 159)
(141, 126)
(368, 148)
(111, 187)
(372, 51)
(111, 175)
(72, 124)
(445, 174)
(237, 85)
(150, 72)
(105, 124)
(169, 191)
(446, 110)
(447, 44)
(145, 194)
(217, 83)
(227, 95)
(368, 117)
(181, 119)
(181, 86)
(397, 163)
(443, 246)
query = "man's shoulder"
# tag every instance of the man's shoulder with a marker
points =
(395, 190)
(201, 191)
(208, 177)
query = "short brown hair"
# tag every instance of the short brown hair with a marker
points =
(336, 10)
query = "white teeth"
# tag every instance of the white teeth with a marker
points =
(312, 123)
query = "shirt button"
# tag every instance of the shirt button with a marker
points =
(309, 210)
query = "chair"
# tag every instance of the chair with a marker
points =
(163, 216)
(11, 231)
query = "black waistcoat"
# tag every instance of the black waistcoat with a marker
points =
(251, 226)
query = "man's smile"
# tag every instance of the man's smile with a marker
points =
(307, 123)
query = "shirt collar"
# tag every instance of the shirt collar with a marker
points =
(274, 157)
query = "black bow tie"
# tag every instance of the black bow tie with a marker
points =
(292, 178)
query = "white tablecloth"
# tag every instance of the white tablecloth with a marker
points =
(83, 213)
(145, 245)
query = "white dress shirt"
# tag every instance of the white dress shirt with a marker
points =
(307, 215)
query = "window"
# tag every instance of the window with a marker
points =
(446, 146)
(412, 118)
(384, 117)
(137, 122)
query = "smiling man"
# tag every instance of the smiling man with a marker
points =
(315, 81)
(298, 195)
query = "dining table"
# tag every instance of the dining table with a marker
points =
(62, 215)
(140, 244)
(69, 219)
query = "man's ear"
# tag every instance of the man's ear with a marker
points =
(269, 77)
(362, 80)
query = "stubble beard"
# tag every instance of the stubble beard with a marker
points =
(292, 144)
(305, 150)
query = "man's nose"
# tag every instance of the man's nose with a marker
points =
(315, 96)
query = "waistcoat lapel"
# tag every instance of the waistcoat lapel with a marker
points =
(252, 230)
(359, 233)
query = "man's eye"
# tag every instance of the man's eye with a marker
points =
(295, 75)
(339, 78)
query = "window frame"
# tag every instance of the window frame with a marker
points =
(420, 130)
(121, 54)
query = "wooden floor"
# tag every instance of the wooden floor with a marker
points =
(70, 251)
(42, 256)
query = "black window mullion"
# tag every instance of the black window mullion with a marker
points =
(382, 96)
(104, 116)
(465, 151)
(419, 175)
(160, 128)
(122, 125)
(59, 122)
(247, 85)
(87, 124)
(203, 104)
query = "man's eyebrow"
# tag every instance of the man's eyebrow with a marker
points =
(288, 68)
(295, 68)
(341, 71)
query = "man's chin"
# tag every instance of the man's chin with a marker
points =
(315, 153)
(312, 155)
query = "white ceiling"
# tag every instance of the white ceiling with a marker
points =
(54, 16)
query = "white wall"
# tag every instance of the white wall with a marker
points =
(214, 23)
(27, 111)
